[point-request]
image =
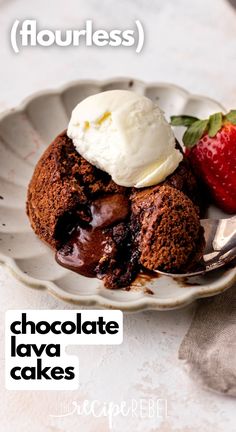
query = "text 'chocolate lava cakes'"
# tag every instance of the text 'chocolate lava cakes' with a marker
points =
(100, 229)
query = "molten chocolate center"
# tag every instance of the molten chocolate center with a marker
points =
(86, 246)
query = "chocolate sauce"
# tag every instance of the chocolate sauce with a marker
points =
(83, 251)
(143, 277)
(109, 210)
(86, 246)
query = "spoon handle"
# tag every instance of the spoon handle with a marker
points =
(225, 235)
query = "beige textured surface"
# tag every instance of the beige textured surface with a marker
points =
(209, 348)
(193, 45)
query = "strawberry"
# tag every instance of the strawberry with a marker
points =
(211, 148)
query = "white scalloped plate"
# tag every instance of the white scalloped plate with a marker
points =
(24, 134)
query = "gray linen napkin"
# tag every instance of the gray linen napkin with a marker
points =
(209, 347)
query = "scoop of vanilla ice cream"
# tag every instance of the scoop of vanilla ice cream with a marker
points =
(125, 135)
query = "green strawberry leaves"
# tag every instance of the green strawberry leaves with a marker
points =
(215, 124)
(197, 128)
(183, 120)
(194, 133)
(231, 117)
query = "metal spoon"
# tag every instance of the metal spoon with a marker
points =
(220, 247)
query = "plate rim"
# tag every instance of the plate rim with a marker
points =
(95, 300)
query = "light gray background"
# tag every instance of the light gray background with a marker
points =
(189, 43)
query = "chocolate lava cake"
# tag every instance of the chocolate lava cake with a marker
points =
(100, 229)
